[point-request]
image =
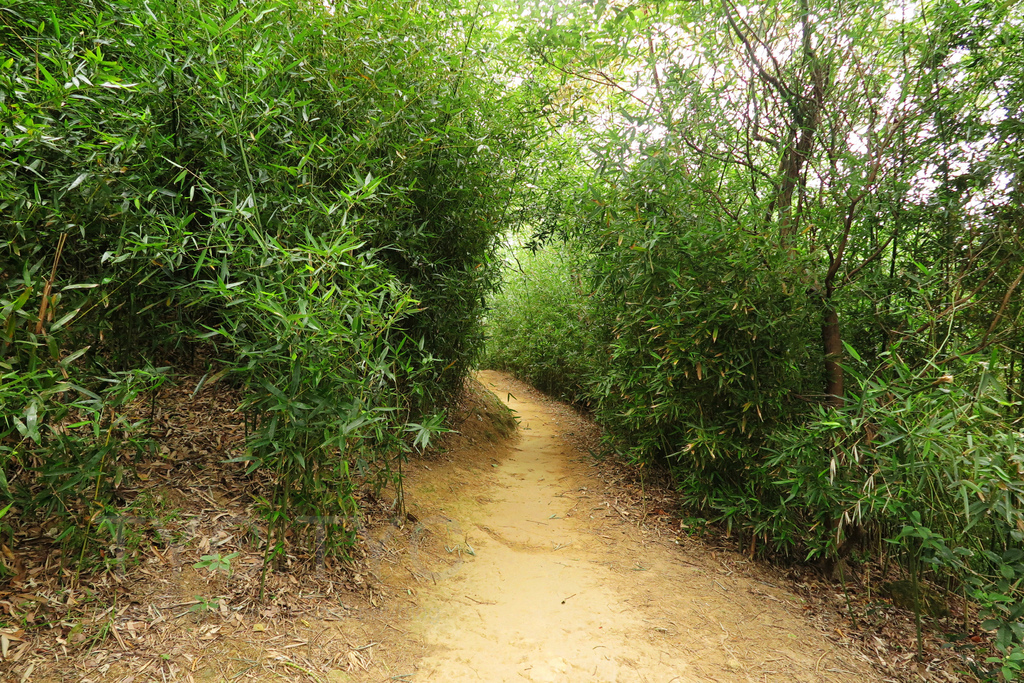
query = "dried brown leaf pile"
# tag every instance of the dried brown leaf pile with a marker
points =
(146, 612)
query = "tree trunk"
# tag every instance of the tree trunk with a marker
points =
(833, 346)
(790, 168)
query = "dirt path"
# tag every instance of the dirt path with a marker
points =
(528, 574)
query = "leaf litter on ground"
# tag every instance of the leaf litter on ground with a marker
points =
(151, 613)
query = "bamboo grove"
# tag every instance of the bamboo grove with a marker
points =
(773, 248)
(785, 262)
(299, 200)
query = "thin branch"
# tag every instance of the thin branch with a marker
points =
(727, 160)
(953, 307)
(878, 252)
(1002, 309)
(761, 71)
(837, 260)
(48, 287)
(608, 80)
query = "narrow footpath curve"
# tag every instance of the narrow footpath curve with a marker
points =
(551, 584)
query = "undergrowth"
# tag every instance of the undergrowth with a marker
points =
(538, 327)
(288, 199)
(713, 384)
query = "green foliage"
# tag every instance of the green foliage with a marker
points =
(804, 276)
(789, 255)
(216, 562)
(1003, 610)
(705, 333)
(539, 325)
(305, 199)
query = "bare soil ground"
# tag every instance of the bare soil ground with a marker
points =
(554, 582)
(520, 558)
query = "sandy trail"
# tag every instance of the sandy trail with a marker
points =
(546, 581)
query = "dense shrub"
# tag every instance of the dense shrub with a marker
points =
(539, 325)
(303, 194)
(703, 353)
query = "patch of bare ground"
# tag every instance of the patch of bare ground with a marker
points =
(857, 617)
(520, 558)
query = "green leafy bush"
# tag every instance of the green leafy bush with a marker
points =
(706, 345)
(539, 325)
(309, 197)
(704, 354)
